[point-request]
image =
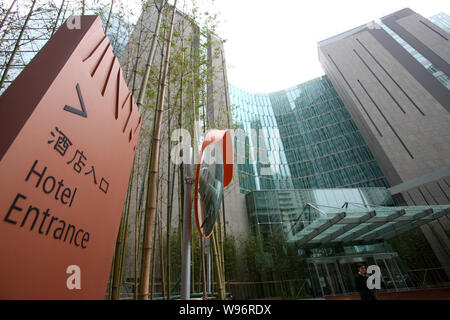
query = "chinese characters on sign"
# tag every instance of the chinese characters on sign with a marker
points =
(61, 144)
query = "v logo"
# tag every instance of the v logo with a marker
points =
(81, 113)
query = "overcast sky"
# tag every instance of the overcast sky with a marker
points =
(272, 45)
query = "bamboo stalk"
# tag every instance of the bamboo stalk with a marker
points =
(115, 283)
(120, 245)
(220, 240)
(153, 262)
(57, 18)
(157, 222)
(161, 253)
(169, 273)
(136, 230)
(180, 169)
(143, 292)
(138, 51)
(7, 14)
(169, 204)
(109, 16)
(192, 251)
(146, 177)
(124, 245)
(116, 40)
(64, 13)
(218, 267)
(150, 58)
(16, 46)
(110, 281)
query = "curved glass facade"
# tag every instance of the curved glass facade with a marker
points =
(306, 137)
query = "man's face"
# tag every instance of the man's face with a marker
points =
(362, 270)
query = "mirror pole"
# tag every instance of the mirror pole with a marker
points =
(208, 265)
(186, 257)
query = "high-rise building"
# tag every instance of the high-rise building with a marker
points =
(393, 76)
(442, 20)
(308, 174)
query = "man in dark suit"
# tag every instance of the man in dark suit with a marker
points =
(361, 284)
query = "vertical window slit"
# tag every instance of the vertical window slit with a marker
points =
(435, 31)
(389, 75)
(379, 81)
(385, 119)
(351, 89)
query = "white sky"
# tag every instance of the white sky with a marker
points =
(272, 45)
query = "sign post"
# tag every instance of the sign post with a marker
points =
(69, 129)
(187, 215)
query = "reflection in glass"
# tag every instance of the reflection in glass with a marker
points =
(210, 187)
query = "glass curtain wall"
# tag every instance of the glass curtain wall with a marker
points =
(307, 136)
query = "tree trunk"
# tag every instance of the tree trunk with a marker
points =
(121, 245)
(143, 288)
(218, 267)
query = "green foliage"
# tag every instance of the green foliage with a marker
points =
(274, 261)
(231, 258)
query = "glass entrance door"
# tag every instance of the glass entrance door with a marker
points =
(393, 278)
(336, 275)
(328, 279)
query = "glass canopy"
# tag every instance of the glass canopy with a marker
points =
(355, 224)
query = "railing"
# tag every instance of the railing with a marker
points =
(430, 277)
(426, 278)
(275, 289)
(240, 290)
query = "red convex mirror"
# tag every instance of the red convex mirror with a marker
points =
(214, 172)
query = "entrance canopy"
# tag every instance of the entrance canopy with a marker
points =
(357, 224)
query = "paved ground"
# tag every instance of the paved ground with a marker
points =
(424, 294)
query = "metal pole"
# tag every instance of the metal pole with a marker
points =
(208, 265)
(223, 213)
(186, 257)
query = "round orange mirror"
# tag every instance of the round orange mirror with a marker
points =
(214, 172)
